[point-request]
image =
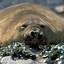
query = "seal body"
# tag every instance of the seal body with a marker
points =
(23, 20)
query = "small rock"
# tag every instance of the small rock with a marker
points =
(59, 9)
(8, 60)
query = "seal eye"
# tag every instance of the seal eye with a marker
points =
(22, 27)
(42, 26)
(25, 25)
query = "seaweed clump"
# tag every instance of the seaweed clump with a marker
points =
(53, 53)
(16, 50)
(56, 54)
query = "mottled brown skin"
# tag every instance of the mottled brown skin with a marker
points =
(36, 18)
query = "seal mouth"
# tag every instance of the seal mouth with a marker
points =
(35, 40)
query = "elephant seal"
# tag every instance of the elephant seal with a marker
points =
(34, 23)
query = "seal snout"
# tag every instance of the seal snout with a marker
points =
(36, 34)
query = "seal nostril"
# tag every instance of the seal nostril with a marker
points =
(40, 36)
(32, 33)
